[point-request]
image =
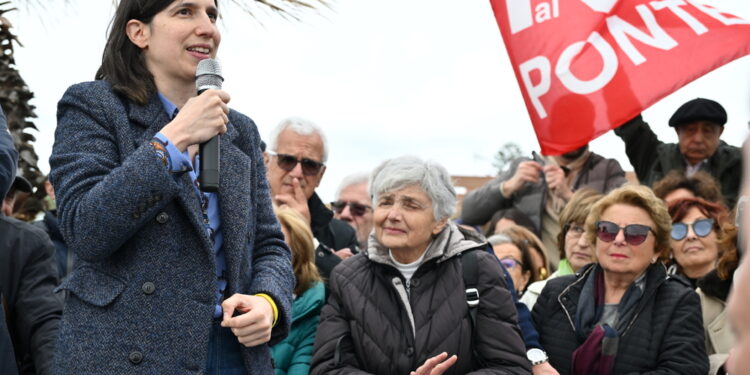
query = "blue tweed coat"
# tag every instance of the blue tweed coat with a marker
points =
(141, 297)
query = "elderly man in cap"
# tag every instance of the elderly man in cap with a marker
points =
(699, 124)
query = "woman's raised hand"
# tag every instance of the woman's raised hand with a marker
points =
(200, 119)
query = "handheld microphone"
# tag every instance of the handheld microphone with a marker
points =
(208, 76)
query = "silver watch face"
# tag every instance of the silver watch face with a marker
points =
(536, 355)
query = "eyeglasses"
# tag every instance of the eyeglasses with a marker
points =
(357, 209)
(288, 162)
(701, 228)
(510, 263)
(635, 234)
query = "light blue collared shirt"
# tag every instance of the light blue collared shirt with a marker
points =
(180, 163)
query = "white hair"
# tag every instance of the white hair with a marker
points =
(433, 178)
(499, 239)
(300, 126)
(352, 179)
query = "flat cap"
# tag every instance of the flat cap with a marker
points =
(699, 109)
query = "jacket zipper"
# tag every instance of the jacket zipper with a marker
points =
(632, 321)
(398, 284)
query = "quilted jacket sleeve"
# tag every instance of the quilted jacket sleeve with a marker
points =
(334, 350)
(683, 348)
(498, 337)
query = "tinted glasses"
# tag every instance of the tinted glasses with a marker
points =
(510, 263)
(288, 162)
(357, 209)
(635, 234)
(701, 228)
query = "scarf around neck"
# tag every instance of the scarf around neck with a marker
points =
(599, 341)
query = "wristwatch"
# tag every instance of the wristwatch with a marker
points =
(536, 356)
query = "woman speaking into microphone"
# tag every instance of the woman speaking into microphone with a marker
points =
(169, 279)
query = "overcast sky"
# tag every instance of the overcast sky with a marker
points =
(382, 78)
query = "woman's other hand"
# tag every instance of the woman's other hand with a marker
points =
(200, 119)
(253, 326)
(436, 365)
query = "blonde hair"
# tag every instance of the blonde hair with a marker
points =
(643, 198)
(300, 240)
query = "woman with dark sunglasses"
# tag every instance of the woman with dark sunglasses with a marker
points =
(623, 314)
(704, 252)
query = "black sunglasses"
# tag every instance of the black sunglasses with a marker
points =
(635, 234)
(701, 228)
(288, 162)
(357, 209)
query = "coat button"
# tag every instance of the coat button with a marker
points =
(148, 287)
(135, 358)
(136, 215)
(321, 254)
(414, 282)
(409, 351)
(162, 217)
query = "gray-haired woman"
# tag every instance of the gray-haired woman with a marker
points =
(400, 306)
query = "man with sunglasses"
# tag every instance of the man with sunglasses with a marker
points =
(354, 206)
(699, 124)
(295, 165)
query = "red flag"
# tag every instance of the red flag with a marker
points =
(588, 66)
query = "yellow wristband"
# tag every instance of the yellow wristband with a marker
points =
(273, 306)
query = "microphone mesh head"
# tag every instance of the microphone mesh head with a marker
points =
(208, 75)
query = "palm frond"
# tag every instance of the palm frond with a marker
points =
(285, 8)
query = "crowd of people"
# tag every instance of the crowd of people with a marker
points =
(558, 265)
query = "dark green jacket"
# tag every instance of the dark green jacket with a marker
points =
(652, 159)
(293, 354)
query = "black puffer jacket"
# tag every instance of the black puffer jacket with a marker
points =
(664, 337)
(367, 328)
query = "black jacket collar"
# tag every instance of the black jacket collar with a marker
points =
(320, 215)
